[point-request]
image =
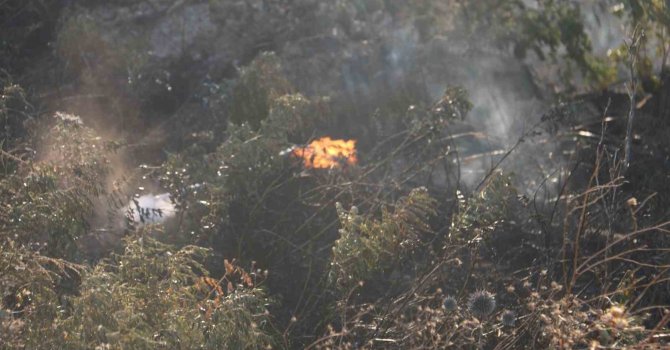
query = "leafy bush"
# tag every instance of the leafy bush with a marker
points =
(30, 284)
(368, 248)
(51, 199)
(147, 298)
(258, 86)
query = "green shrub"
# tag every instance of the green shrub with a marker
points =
(258, 86)
(30, 285)
(368, 247)
(48, 202)
(147, 298)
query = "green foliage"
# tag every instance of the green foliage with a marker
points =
(146, 298)
(368, 247)
(454, 104)
(45, 207)
(485, 209)
(649, 21)
(247, 177)
(15, 116)
(258, 86)
(84, 48)
(15, 113)
(29, 286)
(48, 202)
(244, 193)
(552, 30)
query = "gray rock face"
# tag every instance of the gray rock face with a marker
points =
(148, 57)
(209, 34)
(363, 57)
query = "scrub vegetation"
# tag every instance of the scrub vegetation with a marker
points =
(342, 174)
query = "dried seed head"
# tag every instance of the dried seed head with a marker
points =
(481, 303)
(508, 318)
(450, 303)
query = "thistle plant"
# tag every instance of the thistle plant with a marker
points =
(481, 303)
(450, 304)
(508, 318)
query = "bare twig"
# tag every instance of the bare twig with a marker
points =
(633, 50)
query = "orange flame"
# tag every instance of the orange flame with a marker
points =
(326, 153)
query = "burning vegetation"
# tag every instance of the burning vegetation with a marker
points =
(326, 153)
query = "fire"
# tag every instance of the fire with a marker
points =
(326, 153)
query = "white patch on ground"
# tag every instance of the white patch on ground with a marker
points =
(153, 209)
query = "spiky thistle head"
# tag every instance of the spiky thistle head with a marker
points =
(481, 303)
(450, 303)
(508, 318)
